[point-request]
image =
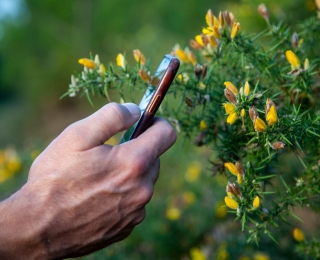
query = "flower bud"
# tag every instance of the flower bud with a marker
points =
(295, 40)
(234, 189)
(239, 179)
(256, 202)
(139, 57)
(278, 145)
(205, 39)
(263, 10)
(306, 64)
(191, 57)
(221, 20)
(210, 18)
(242, 112)
(121, 62)
(230, 96)
(195, 45)
(216, 32)
(240, 168)
(246, 90)
(213, 42)
(253, 113)
(144, 75)
(227, 18)
(318, 4)
(234, 30)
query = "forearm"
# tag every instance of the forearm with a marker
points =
(21, 228)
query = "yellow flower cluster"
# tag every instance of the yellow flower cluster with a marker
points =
(233, 190)
(140, 59)
(231, 93)
(10, 164)
(209, 39)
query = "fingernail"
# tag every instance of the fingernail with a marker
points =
(133, 108)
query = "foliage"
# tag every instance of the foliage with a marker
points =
(249, 98)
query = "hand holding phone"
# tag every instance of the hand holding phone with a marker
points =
(153, 96)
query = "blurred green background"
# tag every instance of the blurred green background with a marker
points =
(40, 43)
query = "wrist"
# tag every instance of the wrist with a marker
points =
(21, 227)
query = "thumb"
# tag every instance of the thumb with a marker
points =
(100, 126)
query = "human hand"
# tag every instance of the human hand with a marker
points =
(83, 195)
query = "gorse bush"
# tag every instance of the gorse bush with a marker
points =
(254, 99)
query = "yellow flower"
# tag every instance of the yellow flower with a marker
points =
(210, 18)
(243, 112)
(189, 197)
(231, 87)
(193, 172)
(173, 213)
(213, 42)
(199, 40)
(121, 62)
(229, 108)
(139, 57)
(234, 30)
(231, 203)
(260, 256)
(191, 57)
(298, 235)
(239, 178)
(293, 60)
(196, 254)
(90, 64)
(203, 125)
(181, 55)
(232, 118)
(221, 20)
(246, 89)
(271, 116)
(216, 32)
(259, 125)
(232, 168)
(256, 202)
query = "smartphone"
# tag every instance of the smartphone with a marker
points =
(153, 96)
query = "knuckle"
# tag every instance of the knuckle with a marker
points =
(170, 133)
(145, 195)
(140, 217)
(138, 166)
